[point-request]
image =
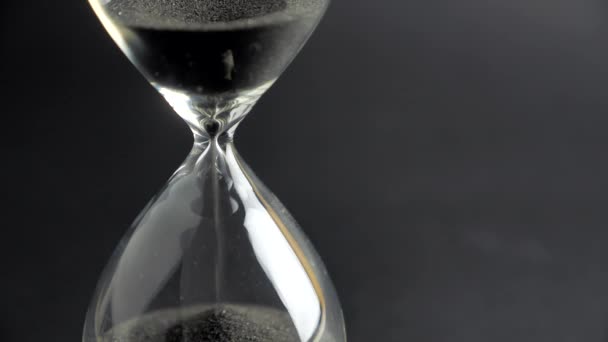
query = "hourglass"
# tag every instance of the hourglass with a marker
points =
(214, 256)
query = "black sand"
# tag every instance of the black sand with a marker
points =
(222, 324)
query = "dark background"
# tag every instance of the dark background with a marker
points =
(447, 158)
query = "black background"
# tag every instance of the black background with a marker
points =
(447, 158)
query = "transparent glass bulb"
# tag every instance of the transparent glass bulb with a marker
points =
(214, 256)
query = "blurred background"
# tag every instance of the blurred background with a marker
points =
(447, 159)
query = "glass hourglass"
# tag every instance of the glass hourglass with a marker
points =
(214, 256)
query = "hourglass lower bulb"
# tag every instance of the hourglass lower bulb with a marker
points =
(214, 256)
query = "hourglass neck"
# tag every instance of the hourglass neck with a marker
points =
(212, 137)
(213, 118)
(217, 145)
